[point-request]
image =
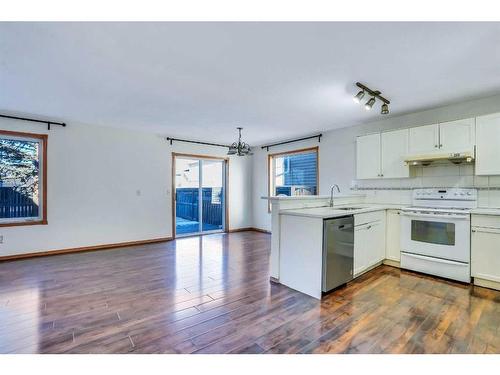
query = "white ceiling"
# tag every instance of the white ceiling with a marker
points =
(277, 80)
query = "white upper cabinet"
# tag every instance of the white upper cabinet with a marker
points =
(382, 155)
(487, 145)
(445, 137)
(394, 147)
(368, 156)
(424, 139)
(457, 136)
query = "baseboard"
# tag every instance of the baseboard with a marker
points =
(248, 229)
(368, 269)
(83, 249)
(261, 230)
(392, 263)
(486, 283)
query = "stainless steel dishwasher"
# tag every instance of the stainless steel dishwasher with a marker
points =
(338, 251)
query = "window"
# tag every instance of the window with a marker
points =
(23, 178)
(294, 173)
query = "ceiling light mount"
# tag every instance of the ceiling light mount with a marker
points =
(375, 94)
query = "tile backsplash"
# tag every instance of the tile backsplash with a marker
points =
(398, 190)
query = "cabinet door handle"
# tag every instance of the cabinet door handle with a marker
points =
(435, 146)
(440, 145)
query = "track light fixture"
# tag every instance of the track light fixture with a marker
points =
(369, 104)
(359, 96)
(375, 94)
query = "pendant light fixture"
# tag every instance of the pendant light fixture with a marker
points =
(375, 94)
(239, 148)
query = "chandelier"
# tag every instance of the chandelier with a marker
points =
(239, 148)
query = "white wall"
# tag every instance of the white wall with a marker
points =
(94, 174)
(337, 163)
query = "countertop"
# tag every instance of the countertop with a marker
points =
(486, 211)
(327, 212)
(331, 212)
(306, 197)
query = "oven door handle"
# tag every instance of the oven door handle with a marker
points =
(449, 217)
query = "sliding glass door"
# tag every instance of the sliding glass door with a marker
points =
(200, 189)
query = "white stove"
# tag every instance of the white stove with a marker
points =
(435, 232)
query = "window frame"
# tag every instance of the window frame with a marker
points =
(270, 169)
(43, 140)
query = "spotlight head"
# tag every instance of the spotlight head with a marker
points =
(369, 104)
(359, 96)
(385, 109)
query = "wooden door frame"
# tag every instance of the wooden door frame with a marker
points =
(226, 190)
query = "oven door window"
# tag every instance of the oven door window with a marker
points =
(433, 232)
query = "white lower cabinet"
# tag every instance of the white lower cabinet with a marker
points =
(360, 242)
(393, 236)
(485, 250)
(369, 240)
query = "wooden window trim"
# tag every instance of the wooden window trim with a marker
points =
(291, 152)
(43, 141)
(225, 159)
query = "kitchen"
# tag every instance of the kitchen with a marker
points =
(446, 231)
(314, 191)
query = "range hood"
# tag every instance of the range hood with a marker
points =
(453, 157)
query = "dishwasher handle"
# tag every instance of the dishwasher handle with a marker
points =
(345, 226)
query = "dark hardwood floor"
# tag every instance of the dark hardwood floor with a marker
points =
(212, 294)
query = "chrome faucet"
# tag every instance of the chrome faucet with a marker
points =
(331, 193)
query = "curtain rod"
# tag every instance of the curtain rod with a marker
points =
(171, 140)
(293, 140)
(34, 120)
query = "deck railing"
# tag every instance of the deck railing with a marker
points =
(186, 205)
(14, 204)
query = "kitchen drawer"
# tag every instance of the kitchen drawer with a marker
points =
(369, 217)
(486, 221)
(436, 266)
